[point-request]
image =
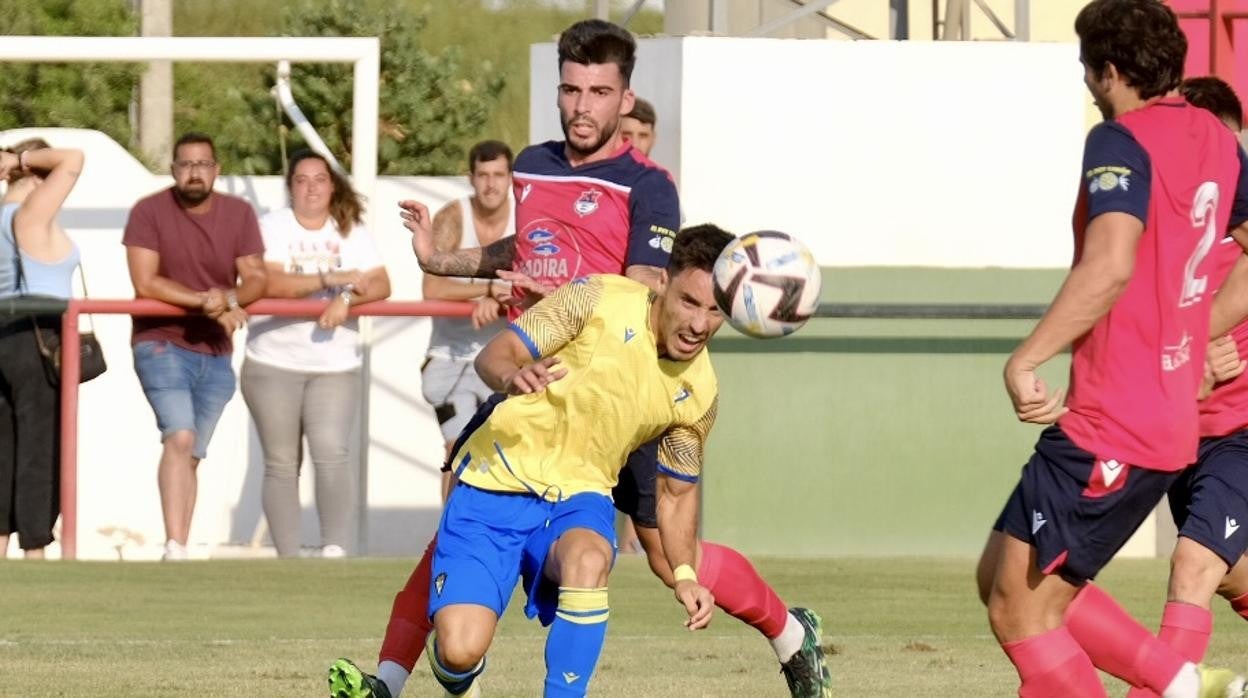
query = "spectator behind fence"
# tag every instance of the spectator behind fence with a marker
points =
(448, 380)
(199, 249)
(37, 258)
(302, 377)
(638, 126)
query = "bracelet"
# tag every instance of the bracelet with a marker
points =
(21, 161)
(489, 288)
(346, 297)
(232, 299)
(685, 573)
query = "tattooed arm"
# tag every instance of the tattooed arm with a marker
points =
(479, 262)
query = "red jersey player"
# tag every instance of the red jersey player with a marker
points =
(1158, 180)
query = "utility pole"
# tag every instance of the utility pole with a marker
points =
(156, 87)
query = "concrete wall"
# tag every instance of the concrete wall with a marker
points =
(873, 153)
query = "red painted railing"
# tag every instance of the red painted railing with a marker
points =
(71, 370)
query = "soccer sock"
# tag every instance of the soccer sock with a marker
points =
(1052, 664)
(409, 624)
(1118, 644)
(1186, 628)
(394, 676)
(789, 641)
(740, 591)
(575, 640)
(1240, 605)
(455, 682)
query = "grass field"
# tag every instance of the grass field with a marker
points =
(897, 627)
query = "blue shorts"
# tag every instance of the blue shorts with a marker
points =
(1209, 501)
(187, 390)
(1077, 510)
(489, 540)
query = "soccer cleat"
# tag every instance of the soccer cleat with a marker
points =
(1219, 683)
(807, 672)
(347, 681)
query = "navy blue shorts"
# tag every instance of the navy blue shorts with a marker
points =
(1210, 499)
(634, 493)
(1077, 510)
(487, 541)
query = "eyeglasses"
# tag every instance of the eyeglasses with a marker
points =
(194, 164)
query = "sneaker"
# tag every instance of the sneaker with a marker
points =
(806, 672)
(1219, 683)
(333, 551)
(347, 681)
(174, 552)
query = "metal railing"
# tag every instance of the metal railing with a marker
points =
(71, 368)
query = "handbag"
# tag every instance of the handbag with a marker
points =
(91, 355)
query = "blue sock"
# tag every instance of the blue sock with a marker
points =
(575, 640)
(455, 682)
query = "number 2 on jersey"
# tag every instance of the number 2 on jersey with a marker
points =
(1204, 215)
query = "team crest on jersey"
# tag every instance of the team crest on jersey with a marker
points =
(587, 202)
(543, 242)
(439, 583)
(1108, 178)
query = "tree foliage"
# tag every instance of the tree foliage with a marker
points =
(76, 95)
(431, 106)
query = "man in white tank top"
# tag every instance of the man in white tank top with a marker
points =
(449, 382)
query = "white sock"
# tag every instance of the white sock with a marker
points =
(394, 676)
(789, 641)
(1185, 684)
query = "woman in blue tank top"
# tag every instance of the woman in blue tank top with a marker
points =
(39, 179)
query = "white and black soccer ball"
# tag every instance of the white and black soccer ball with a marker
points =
(767, 284)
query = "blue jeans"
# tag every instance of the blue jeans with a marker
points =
(187, 390)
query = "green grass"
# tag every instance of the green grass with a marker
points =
(900, 627)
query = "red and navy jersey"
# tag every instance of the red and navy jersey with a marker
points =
(1135, 374)
(598, 218)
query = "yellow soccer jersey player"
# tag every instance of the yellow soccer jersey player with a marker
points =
(599, 367)
(618, 390)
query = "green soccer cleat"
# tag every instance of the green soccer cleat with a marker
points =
(347, 681)
(806, 672)
(1219, 683)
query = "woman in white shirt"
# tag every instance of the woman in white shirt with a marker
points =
(302, 377)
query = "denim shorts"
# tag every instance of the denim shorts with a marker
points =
(187, 390)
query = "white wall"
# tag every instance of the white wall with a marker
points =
(958, 154)
(118, 441)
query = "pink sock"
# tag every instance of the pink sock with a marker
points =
(1117, 644)
(740, 591)
(1240, 604)
(1186, 628)
(1053, 664)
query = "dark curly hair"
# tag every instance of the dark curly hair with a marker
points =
(1214, 95)
(1141, 38)
(697, 247)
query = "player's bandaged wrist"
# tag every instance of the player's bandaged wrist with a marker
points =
(685, 573)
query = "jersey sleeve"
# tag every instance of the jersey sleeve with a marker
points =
(1116, 172)
(654, 215)
(1239, 207)
(558, 318)
(680, 451)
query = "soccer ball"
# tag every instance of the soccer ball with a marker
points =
(767, 284)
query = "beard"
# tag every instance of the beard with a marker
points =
(585, 149)
(196, 195)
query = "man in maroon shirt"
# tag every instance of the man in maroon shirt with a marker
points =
(199, 249)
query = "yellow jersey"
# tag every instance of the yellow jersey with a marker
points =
(618, 394)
